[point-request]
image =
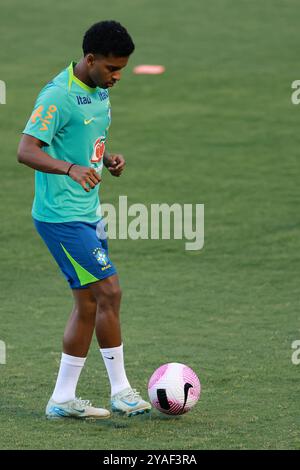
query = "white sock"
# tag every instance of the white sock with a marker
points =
(114, 362)
(68, 375)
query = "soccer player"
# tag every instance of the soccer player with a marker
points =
(64, 141)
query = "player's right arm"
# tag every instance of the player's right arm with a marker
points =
(51, 113)
(30, 153)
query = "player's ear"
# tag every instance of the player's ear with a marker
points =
(90, 59)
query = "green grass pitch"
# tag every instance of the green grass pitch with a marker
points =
(217, 128)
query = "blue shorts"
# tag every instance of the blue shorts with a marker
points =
(80, 250)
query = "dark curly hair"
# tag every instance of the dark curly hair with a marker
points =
(108, 38)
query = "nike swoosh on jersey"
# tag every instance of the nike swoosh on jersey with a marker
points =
(87, 121)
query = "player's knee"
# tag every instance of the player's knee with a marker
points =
(91, 307)
(118, 294)
(110, 295)
(87, 309)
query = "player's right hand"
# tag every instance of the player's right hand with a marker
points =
(87, 177)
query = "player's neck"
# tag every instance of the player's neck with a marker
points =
(81, 73)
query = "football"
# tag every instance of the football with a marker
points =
(174, 388)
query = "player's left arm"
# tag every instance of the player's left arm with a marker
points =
(115, 163)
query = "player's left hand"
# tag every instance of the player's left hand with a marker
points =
(116, 164)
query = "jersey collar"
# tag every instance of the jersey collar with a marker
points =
(76, 80)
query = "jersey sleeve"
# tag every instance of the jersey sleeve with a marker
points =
(50, 114)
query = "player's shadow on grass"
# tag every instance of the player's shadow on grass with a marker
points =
(118, 421)
(157, 416)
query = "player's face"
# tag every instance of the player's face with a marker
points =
(105, 71)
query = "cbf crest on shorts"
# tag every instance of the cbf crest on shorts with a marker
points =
(102, 258)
